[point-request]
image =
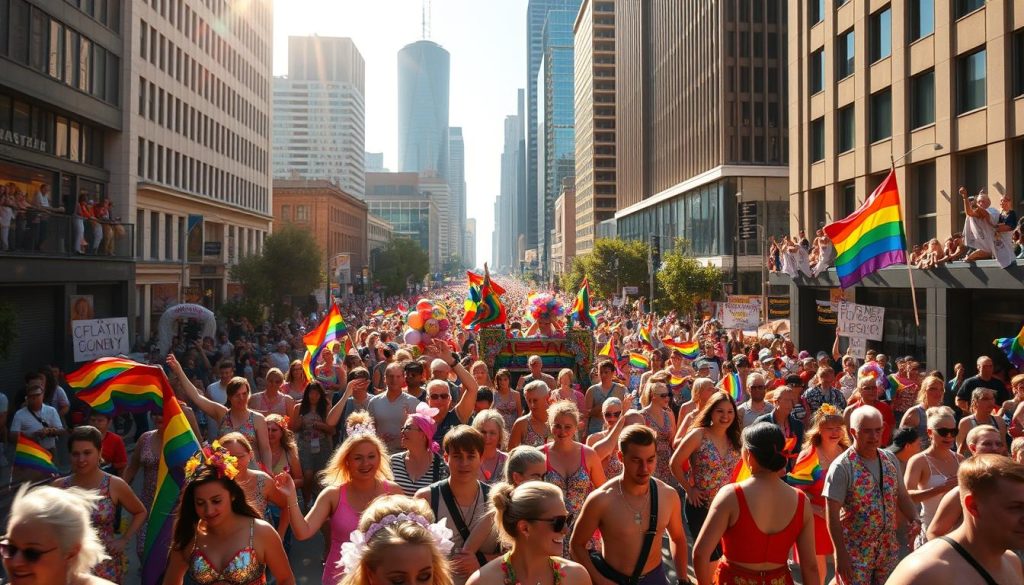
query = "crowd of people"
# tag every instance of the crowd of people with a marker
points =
(752, 460)
(29, 220)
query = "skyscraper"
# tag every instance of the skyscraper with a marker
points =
(510, 214)
(423, 72)
(457, 184)
(319, 113)
(536, 16)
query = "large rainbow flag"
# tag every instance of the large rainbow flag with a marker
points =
(490, 311)
(31, 455)
(872, 237)
(331, 329)
(99, 371)
(581, 307)
(689, 349)
(1013, 347)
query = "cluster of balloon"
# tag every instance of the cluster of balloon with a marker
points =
(428, 321)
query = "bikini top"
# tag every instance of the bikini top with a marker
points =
(242, 569)
(744, 542)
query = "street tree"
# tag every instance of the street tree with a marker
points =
(610, 265)
(401, 262)
(684, 282)
(291, 265)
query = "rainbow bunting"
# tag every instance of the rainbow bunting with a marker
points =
(645, 337)
(580, 311)
(99, 371)
(637, 360)
(689, 349)
(732, 386)
(331, 329)
(31, 455)
(1013, 347)
(872, 237)
(806, 471)
(490, 311)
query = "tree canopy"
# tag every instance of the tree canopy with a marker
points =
(684, 282)
(402, 261)
(291, 265)
(610, 265)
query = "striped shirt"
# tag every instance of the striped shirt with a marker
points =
(437, 471)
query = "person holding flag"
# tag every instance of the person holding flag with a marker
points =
(38, 422)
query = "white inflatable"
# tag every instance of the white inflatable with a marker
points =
(184, 311)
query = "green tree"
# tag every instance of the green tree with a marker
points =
(400, 262)
(291, 265)
(684, 282)
(610, 265)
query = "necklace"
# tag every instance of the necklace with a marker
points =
(637, 516)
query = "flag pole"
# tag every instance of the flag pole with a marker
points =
(906, 252)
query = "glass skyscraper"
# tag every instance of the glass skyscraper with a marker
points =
(423, 74)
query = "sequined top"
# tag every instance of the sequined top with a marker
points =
(711, 470)
(534, 439)
(508, 574)
(242, 569)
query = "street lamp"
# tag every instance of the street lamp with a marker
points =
(934, 145)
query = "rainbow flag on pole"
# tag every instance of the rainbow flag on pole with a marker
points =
(645, 337)
(581, 307)
(1013, 347)
(99, 371)
(331, 329)
(872, 237)
(689, 349)
(31, 455)
(609, 350)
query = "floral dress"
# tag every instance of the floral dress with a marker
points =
(663, 446)
(575, 489)
(149, 460)
(102, 519)
(247, 429)
(507, 407)
(508, 574)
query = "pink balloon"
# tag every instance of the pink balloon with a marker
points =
(444, 324)
(413, 337)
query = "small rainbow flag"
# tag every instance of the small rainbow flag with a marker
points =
(689, 349)
(645, 337)
(99, 371)
(1013, 347)
(378, 313)
(490, 311)
(331, 329)
(732, 386)
(31, 455)
(806, 471)
(581, 307)
(609, 349)
(740, 472)
(637, 360)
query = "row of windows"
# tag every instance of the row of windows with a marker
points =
(105, 12)
(160, 51)
(175, 114)
(57, 135)
(165, 165)
(920, 15)
(31, 37)
(210, 41)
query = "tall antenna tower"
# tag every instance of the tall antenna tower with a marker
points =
(425, 28)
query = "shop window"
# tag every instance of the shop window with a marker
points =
(971, 77)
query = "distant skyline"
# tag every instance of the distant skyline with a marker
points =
(487, 42)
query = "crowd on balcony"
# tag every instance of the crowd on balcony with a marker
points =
(27, 222)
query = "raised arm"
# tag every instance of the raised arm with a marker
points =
(304, 527)
(211, 408)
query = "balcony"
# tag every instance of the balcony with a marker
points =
(51, 235)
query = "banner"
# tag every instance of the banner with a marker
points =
(858, 347)
(860, 320)
(778, 308)
(745, 316)
(96, 338)
(826, 316)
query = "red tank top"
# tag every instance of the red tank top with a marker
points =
(743, 542)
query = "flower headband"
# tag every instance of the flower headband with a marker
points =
(828, 410)
(212, 456)
(352, 551)
(363, 428)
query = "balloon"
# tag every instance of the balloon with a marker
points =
(439, 313)
(424, 304)
(426, 338)
(444, 324)
(432, 327)
(415, 321)
(413, 337)
(426, 314)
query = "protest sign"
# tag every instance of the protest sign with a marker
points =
(745, 316)
(860, 320)
(96, 338)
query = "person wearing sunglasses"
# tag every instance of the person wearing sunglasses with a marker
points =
(49, 538)
(657, 413)
(608, 437)
(932, 472)
(533, 522)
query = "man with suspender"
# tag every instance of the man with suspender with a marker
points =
(981, 550)
(632, 511)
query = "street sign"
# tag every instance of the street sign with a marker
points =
(748, 220)
(748, 232)
(748, 208)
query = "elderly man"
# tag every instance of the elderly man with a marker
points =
(390, 408)
(756, 405)
(536, 366)
(865, 493)
(868, 389)
(984, 379)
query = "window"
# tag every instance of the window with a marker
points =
(972, 172)
(881, 34)
(845, 121)
(924, 194)
(965, 7)
(817, 11)
(37, 41)
(817, 71)
(19, 27)
(816, 203)
(817, 140)
(970, 81)
(286, 212)
(922, 18)
(922, 99)
(301, 213)
(844, 55)
(881, 115)
(847, 198)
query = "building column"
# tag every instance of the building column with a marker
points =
(175, 236)
(147, 308)
(936, 329)
(795, 321)
(160, 236)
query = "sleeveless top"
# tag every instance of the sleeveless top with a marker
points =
(344, 520)
(508, 574)
(242, 569)
(711, 470)
(931, 505)
(575, 488)
(437, 471)
(507, 407)
(494, 473)
(277, 407)
(744, 542)
(247, 429)
(102, 519)
(532, 437)
(663, 446)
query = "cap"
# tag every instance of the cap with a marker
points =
(765, 355)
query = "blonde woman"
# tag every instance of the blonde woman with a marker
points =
(702, 390)
(928, 396)
(492, 426)
(932, 472)
(258, 486)
(657, 410)
(357, 473)
(295, 380)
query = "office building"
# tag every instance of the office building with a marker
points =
(701, 127)
(563, 241)
(556, 138)
(320, 114)
(509, 214)
(61, 113)
(936, 89)
(374, 162)
(469, 243)
(399, 200)
(423, 72)
(536, 18)
(457, 187)
(594, 38)
(440, 193)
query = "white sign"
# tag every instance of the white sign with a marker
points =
(746, 316)
(860, 320)
(96, 338)
(630, 290)
(858, 347)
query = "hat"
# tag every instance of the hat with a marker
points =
(821, 356)
(741, 361)
(765, 355)
(803, 354)
(701, 364)
(794, 380)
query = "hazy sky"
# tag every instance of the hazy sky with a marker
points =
(487, 42)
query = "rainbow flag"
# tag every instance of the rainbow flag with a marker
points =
(136, 390)
(331, 329)
(581, 307)
(470, 304)
(99, 371)
(490, 311)
(689, 349)
(637, 360)
(806, 471)
(478, 281)
(609, 349)
(378, 313)
(1013, 347)
(31, 455)
(740, 472)
(732, 386)
(872, 237)
(645, 337)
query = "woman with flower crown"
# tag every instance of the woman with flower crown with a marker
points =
(218, 536)
(397, 541)
(357, 473)
(532, 521)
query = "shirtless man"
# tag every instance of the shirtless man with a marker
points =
(621, 510)
(949, 513)
(980, 551)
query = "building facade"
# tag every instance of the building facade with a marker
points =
(375, 162)
(196, 153)
(936, 91)
(508, 213)
(457, 186)
(60, 118)
(399, 200)
(423, 75)
(469, 243)
(594, 39)
(701, 127)
(320, 115)
(563, 241)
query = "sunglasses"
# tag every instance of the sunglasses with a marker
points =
(662, 395)
(408, 428)
(440, 396)
(557, 523)
(945, 432)
(31, 555)
(612, 414)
